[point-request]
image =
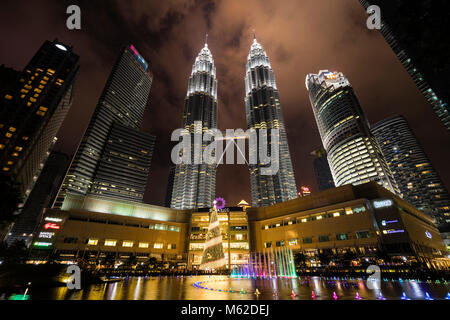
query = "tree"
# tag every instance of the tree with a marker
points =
(300, 259)
(324, 258)
(10, 198)
(15, 253)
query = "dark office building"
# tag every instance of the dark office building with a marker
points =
(113, 157)
(169, 191)
(418, 181)
(32, 111)
(263, 109)
(322, 170)
(42, 196)
(124, 166)
(414, 31)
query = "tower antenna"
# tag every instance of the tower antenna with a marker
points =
(206, 39)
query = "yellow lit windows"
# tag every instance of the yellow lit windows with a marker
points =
(45, 78)
(15, 154)
(239, 237)
(37, 90)
(1, 125)
(18, 148)
(127, 244)
(12, 129)
(143, 245)
(8, 97)
(158, 245)
(2, 146)
(40, 113)
(171, 246)
(29, 104)
(25, 138)
(92, 242)
(5, 169)
(22, 96)
(9, 163)
(110, 243)
(51, 71)
(32, 99)
(8, 135)
(43, 109)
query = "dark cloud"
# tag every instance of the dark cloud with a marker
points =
(300, 37)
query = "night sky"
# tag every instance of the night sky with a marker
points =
(300, 37)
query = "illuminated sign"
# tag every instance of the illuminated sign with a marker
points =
(46, 235)
(139, 58)
(219, 203)
(61, 47)
(384, 222)
(53, 219)
(330, 75)
(428, 234)
(382, 204)
(51, 226)
(42, 244)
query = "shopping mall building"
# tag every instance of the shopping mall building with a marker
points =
(362, 219)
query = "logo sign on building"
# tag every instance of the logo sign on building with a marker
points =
(46, 235)
(383, 203)
(428, 234)
(51, 226)
(53, 219)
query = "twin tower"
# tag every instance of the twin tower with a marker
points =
(194, 184)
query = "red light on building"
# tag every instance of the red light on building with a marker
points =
(304, 191)
(51, 226)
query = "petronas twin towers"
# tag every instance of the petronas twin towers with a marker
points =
(194, 184)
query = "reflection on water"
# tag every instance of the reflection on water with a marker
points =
(219, 287)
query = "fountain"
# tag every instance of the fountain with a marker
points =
(278, 263)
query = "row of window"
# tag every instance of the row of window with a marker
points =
(336, 213)
(125, 243)
(157, 226)
(322, 238)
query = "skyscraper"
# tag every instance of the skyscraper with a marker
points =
(263, 110)
(169, 189)
(353, 152)
(322, 170)
(417, 43)
(194, 184)
(418, 181)
(113, 157)
(42, 196)
(32, 111)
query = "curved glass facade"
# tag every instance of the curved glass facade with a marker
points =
(353, 153)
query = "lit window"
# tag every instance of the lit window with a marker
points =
(5, 169)
(127, 244)
(12, 129)
(239, 236)
(2, 146)
(18, 148)
(8, 97)
(25, 138)
(158, 246)
(143, 245)
(92, 242)
(171, 246)
(8, 135)
(15, 154)
(110, 243)
(9, 163)
(293, 242)
(43, 108)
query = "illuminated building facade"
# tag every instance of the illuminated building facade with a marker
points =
(361, 219)
(322, 170)
(417, 179)
(434, 71)
(263, 109)
(113, 157)
(32, 111)
(353, 152)
(195, 184)
(234, 230)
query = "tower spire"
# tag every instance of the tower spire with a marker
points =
(206, 40)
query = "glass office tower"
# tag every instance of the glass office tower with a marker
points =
(418, 181)
(353, 152)
(113, 157)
